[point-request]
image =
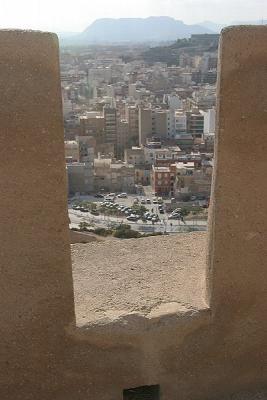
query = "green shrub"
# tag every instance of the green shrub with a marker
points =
(83, 226)
(139, 209)
(184, 212)
(124, 231)
(103, 231)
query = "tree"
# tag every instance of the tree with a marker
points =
(83, 226)
(124, 231)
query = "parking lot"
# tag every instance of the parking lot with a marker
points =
(116, 209)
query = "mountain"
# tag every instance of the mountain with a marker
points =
(190, 46)
(123, 30)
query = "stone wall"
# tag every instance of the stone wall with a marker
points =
(36, 280)
(196, 354)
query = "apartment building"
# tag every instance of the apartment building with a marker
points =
(135, 156)
(110, 124)
(93, 124)
(209, 121)
(80, 178)
(154, 123)
(192, 180)
(145, 125)
(71, 151)
(132, 117)
(180, 123)
(162, 180)
(113, 176)
(122, 137)
(167, 156)
(195, 123)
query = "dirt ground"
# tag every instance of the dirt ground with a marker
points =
(139, 275)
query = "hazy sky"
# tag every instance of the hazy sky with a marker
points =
(76, 15)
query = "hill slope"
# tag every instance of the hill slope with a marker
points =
(152, 29)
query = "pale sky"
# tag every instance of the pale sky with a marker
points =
(76, 15)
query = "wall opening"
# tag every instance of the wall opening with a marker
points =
(142, 393)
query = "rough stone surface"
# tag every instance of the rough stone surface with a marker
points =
(262, 395)
(148, 276)
(36, 293)
(238, 250)
(192, 351)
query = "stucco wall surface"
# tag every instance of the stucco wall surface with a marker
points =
(36, 294)
(198, 354)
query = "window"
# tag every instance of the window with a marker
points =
(142, 393)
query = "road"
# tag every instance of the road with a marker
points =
(165, 225)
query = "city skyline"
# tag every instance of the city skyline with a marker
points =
(61, 16)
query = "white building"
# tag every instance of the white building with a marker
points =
(209, 121)
(173, 101)
(132, 90)
(66, 103)
(110, 90)
(186, 78)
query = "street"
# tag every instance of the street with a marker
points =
(164, 225)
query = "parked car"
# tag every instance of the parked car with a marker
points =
(175, 216)
(148, 201)
(122, 196)
(133, 218)
(94, 212)
(99, 196)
